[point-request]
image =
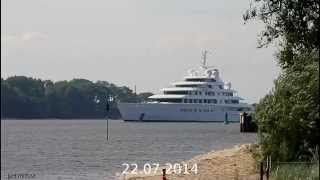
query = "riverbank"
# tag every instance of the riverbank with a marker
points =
(235, 163)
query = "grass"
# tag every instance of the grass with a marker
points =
(296, 171)
(289, 170)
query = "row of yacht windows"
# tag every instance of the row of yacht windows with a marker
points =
(206, 93)
(211, 101)
(205, 101)
(211, 110)
(199, 86)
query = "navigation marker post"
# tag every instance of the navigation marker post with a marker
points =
(226, 118)
(109, 100)
(107, 113)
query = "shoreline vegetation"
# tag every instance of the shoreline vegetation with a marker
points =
(29, 98)
(288, 116)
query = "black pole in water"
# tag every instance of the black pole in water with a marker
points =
(107, 113)
(107, 129)
(226, 119)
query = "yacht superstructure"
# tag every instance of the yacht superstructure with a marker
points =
(201, 96)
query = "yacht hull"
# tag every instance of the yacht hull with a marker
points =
(178, 112)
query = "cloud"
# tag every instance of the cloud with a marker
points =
(12, 42)
(29, 36)
(21, 38)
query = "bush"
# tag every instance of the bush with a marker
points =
(288, 117)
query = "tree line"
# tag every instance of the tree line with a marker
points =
(288, 116)
(25, 97)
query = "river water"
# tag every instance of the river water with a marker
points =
(78, 149)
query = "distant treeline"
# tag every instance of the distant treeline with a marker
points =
(24, 97)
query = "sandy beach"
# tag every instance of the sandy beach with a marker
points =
(235, 163)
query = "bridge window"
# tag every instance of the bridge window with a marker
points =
(187, 85)
(200, 80)
(235, 101)
(170, 100)
(227, 94)
(176, 92)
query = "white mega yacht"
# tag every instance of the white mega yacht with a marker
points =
(201, 97)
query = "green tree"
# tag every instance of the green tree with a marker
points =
(296, 21)
(23, 97)
(28, 95)
(58, 106)
(288, 116)
(9, 100)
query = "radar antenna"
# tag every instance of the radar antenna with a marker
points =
(204, 58)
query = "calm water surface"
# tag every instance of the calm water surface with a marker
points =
(78, 150)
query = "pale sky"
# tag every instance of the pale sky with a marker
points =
(147, 43)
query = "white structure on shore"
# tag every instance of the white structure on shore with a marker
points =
(201, 96)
